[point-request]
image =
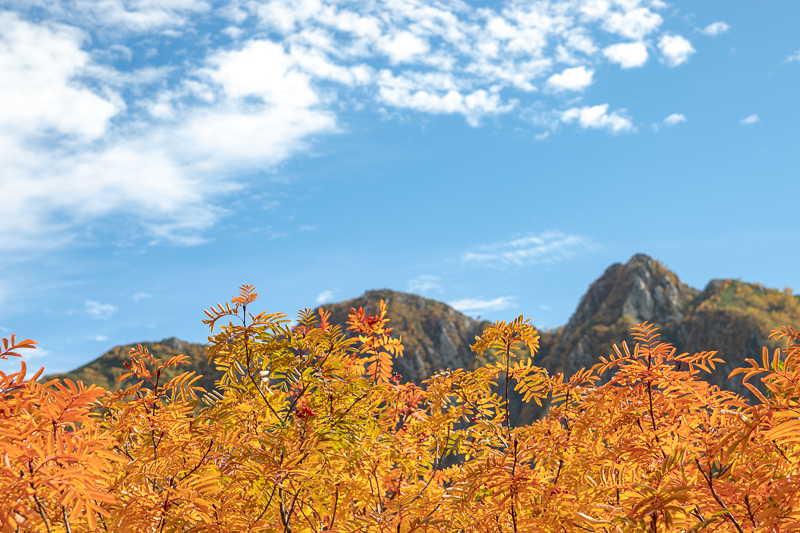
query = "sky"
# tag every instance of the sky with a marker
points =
(495, 155)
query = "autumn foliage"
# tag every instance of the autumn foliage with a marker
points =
(310, 430)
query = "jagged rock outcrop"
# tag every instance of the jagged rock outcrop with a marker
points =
(640, 290)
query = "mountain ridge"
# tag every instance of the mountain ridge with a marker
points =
(729, 316)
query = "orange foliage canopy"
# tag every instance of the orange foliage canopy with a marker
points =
(310, 431)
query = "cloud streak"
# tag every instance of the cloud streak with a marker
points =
(715, 28)
(547, 247)
(325, 296)
(674, 119)
(425, 283)
(750, 119)
(597, 117)
(99, 310)
(481, 305)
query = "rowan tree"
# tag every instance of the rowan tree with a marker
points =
(311, 430)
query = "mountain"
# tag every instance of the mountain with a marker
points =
(640, 290)
(729, 316)
(435, 336)
(106, 369)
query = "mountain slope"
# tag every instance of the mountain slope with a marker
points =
(435, 336)
(736, 318)
(729, 316)
(640, 290)
(106, 369)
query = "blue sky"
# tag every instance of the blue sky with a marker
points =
(157, 154)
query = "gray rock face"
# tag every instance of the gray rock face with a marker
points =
(653, 295)
(173, 342)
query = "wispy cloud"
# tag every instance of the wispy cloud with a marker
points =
(480, 305)
(425, 283)
(547, 247)
(793, 58)
(27, 355)
(325, 296)
(141, 296)
(99, 338)
(715, 28)
(99, 310)
(750, 119)
(674, 119)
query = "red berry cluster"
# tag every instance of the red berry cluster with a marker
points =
(395, 378)
(304, 413)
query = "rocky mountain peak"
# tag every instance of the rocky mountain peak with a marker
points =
(642, 289)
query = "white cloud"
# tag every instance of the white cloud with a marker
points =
(110, 132)
(28, 355)
(715, 28)
(597, 117)
(141, 296)
(571, 79)
(37, 94)
(478, 305)
(547, 247)
(795, 57)
(100, 310)
(633, 22)
(65, 167)
(99, 338)
(675, 49)
(423, 284)
(401, 92)
(325, 296)
(751, 119)
(403, 46)
(627, 55)
(675, 118)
